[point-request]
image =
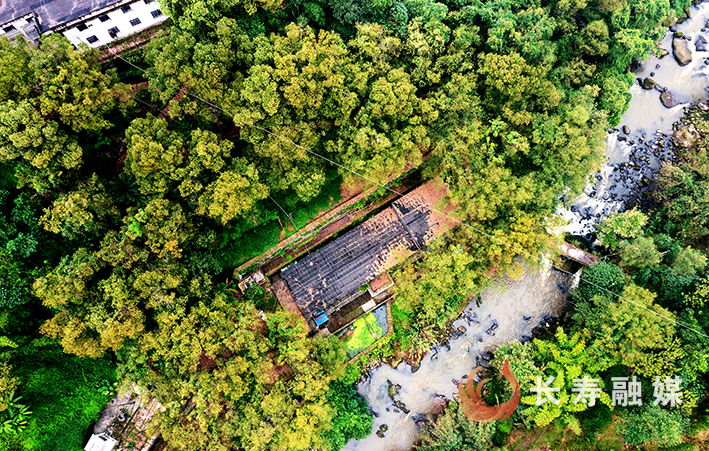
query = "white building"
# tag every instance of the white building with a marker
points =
(93, 22)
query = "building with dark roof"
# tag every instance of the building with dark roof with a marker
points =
(92, 22)
(329, 278)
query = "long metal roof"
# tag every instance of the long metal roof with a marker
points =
(340, 267)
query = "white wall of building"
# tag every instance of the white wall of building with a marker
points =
(117, 18)
(24, 26)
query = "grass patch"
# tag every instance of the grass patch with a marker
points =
(61, 391)
(366, 332)
(257, 240)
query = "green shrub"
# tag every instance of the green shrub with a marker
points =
(653, 425)
(63, 393)
(351, 418)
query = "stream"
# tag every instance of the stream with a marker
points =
(633, 159)
(403, 398)
(507, 311)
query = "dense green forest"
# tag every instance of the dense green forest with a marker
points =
(127, 198)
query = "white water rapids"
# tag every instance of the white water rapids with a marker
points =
(508, 302)
(633, 159)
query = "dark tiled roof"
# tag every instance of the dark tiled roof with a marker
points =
(50, 12)
(342, 266)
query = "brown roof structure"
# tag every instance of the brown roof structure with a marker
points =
(341, 267)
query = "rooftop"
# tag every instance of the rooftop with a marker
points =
(339, 268)
(50, 12)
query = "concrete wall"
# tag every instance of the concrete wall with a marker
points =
(22, 26)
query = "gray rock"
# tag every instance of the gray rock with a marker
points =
(681, 52)
(626, 129)
(668, 100)
(701, 44)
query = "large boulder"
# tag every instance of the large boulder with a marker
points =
(669, 100)
(701, 44)
(439, 404)
(682, 53)
(648, 83)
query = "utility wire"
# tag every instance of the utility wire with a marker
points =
(307, 248)
(407, 196)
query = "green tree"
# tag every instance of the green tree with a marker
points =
(639, 253)
(594, 39)
(655, 425)
(621, 226)
(454, 431)
(351, 418)
(564, 358)
(633, 330)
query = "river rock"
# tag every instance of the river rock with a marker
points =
(668, 100)
(383, 428)
(402, 406)
(701, 44)
(380, 434)
(462, 329)
(626, 129)
(420, 422)
(439, 403)
(648, 84)
(681, 52)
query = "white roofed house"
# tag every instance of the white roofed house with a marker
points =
(93, 22)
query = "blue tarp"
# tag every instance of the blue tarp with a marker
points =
(320, 319)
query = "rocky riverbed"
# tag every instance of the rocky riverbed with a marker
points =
(405, 398)
(665, 86)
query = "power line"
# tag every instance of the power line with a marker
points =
(307, 248)
(407, 196)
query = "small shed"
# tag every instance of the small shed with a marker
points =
(101, 442)
(255, 278)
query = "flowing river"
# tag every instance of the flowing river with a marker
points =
(508, 311)
(634, 158)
